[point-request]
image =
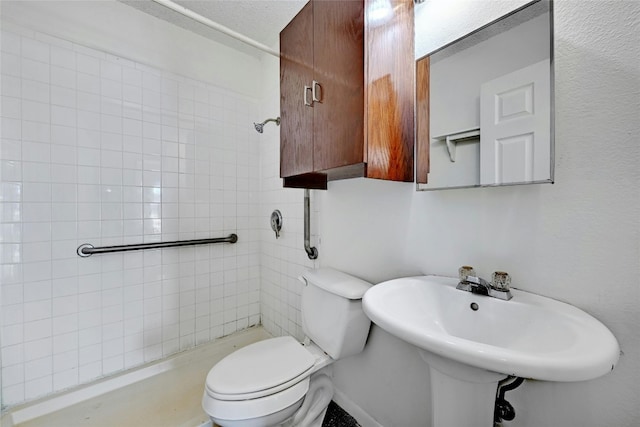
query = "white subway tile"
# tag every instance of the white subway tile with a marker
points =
(65, 287)
(111, 124)
(12, 314)
(37, 291)
(65, 352)
(36, 112)
(65, 379)
(38, 368)
(88, 175)
(11, 64)
(34, 70)
(88, 138)
(111, 106)
(62, 57)
(65, 305)
(10, 86)
(11, 294)
(64, 230)
(63, 192)
(37, 330)
(11, 108)
(90, 371)
(64, 154)
(88, 102)
(63, 212)
(110, 89)
(63, 77)
(63, 116)
(12, 355)
(35, 252)
(62, 268)
(62, 135)
(34, 49)
(110, 159)
(111, 141)
(132, 76)
(111, 71)
(11, 150)
(88, 120)
(87, 64)
(87, 192)
(65, 174)
(88, 83)
(33, 172)
(10, 42)
(65, 324)
(11, 128)
(13, 375)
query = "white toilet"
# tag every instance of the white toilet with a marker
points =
(265, 383)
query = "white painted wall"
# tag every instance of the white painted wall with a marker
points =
(145, 136)
(577, 240)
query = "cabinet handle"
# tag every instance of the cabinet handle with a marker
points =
(306, 101)
(314, 92)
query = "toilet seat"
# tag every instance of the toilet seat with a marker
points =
(232, 410)
(259, 379)
(260, 369)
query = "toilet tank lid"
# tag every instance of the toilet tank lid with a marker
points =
(337, 282)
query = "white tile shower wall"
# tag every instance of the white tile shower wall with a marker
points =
(100, 149)
(282, 260)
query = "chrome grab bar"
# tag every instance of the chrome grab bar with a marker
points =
(87, 249)
(312, 251)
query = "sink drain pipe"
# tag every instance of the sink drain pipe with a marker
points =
(503, 410)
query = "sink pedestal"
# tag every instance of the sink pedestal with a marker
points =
(461, 395)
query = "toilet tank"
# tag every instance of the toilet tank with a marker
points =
(332, 315)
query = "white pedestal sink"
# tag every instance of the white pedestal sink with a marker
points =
(471, 342)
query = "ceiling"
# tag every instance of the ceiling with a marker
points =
(261, 20)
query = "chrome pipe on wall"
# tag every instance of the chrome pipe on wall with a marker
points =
(312, 252)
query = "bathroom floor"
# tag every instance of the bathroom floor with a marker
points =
(168, 399)
(338, 417)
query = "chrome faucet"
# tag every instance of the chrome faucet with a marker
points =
(498, 288)
(475, 285)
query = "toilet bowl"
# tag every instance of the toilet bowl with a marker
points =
(279, 381)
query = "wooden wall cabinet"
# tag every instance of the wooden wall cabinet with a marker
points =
(347, 92)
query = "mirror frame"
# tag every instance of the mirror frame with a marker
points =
(423, 143)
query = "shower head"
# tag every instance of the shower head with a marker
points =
(260, 126)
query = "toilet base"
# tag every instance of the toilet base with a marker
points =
(276, 419)
(306, 412)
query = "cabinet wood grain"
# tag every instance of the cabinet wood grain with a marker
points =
(296, 71)
(362, 123)
(390, 94)
(422, 114)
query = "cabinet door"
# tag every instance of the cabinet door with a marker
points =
(296, 72)
(338, 127)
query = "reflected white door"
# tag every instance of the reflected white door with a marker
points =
(515, 126)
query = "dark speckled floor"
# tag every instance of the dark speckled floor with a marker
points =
(338, 417)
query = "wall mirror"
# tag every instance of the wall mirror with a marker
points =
(485, 103)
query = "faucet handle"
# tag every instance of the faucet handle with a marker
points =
(464, 271)
(501, 281)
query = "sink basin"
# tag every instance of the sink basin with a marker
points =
(529, 336)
